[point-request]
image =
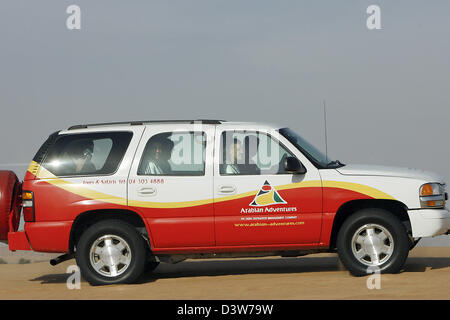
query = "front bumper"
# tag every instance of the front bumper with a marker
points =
(429, 222)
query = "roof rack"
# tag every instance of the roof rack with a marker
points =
(139, 123)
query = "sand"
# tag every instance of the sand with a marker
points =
(426, 276)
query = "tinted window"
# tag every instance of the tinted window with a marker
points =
(251, 153)
(87, 154)
(174, 154)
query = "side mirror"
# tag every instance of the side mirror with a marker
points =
(292, 165)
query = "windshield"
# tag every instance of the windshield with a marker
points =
(311, 152)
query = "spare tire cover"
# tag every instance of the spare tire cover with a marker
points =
(8, 191)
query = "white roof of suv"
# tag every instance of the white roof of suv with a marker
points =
(163, 122)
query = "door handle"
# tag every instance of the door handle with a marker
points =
(147, 191)
(227, 189)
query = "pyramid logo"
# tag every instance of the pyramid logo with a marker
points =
(267, 196)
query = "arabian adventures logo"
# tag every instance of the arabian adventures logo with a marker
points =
(267, 196)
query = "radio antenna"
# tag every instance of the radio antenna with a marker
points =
(326, 138)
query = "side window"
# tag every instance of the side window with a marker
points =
(251, 153)
(174, 154)
(87, 154)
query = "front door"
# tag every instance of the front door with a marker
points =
(256, 201)
(171, 184)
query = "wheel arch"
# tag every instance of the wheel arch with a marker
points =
(396, 207)
(85, 219)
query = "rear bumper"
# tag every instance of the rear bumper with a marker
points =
(49, 236)
(42, 237)
(429, 222)
(18, 241)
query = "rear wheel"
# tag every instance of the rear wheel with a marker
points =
(373, 240)
(111, 252)
(8, 189)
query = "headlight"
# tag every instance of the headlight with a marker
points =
(432, 195)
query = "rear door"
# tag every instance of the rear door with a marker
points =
(171, 184)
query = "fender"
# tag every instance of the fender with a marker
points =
(87, 218)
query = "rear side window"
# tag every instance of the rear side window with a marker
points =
(40, 155)
(87, 154)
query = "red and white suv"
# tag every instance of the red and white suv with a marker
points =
(121, 197)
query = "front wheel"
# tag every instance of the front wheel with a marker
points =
(373, 240)
(111, 252)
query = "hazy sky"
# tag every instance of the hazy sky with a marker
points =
(387, 91)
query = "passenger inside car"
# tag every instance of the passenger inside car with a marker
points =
(80, 154)
(157, 155)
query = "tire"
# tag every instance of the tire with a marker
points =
(373, 240)
(127, 251)
(8, 188)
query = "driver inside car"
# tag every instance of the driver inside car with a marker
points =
(234, 155)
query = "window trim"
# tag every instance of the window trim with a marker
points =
(173, 175)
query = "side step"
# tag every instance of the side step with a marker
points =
(62, 258)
